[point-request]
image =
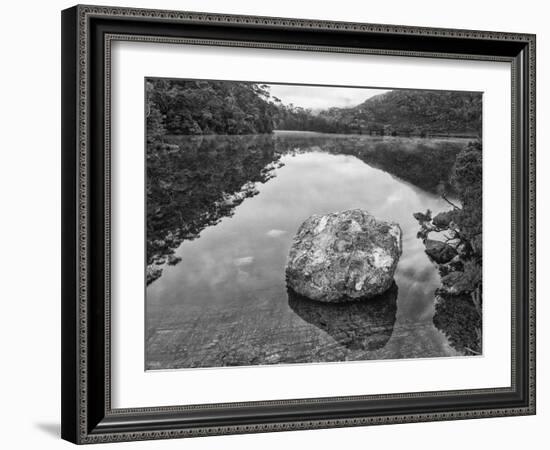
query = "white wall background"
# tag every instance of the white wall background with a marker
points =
(30, 225)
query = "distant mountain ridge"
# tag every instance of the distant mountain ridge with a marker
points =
(411, 112)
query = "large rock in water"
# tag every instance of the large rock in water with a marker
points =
(343, 256)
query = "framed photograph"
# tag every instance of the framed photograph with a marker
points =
(278, 224)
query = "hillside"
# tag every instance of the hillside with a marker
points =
(410, 112)
(191, 107)
(418, 112)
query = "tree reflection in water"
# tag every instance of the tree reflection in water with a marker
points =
(226, 302)
(195, 181)
(358, 325)
(458, 318)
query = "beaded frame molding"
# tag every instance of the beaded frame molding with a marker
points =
(87, 35)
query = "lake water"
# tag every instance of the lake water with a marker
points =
(226, 301)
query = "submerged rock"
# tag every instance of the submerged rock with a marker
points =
(356, 325)
(343, 256)
(439, 252)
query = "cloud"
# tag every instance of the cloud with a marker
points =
(322, 97)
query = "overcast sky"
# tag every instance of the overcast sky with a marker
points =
(322, 97)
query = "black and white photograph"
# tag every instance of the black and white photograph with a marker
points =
(295, 224)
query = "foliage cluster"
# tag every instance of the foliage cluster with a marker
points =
(462, 228)
(191, 107)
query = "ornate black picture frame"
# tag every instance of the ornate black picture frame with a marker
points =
(87, 34)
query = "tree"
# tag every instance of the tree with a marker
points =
(154, 118)
(191, 107)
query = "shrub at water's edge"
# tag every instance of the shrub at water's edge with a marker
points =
(459, 255)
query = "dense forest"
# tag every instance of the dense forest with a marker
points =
(189, 107)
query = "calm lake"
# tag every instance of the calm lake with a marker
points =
(233, 205)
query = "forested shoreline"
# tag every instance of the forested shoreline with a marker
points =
(459, 256)
(190, 107)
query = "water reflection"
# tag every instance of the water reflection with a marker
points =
(228, 207)
(193, 184)
(425, 163)
(195, 181)
(458, 318)
(359, 325)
